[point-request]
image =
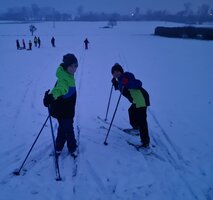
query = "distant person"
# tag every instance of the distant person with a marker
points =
(53, 41)
(39, 42)
(35, 41)
(23, 43)
(132, 89)
(17, 44)
(30, 45)
(86, 42)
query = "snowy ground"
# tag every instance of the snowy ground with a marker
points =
(177, 73)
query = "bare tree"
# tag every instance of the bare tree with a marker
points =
(32, 29)
(188, 9)
(136, 13)
(80, 10)
(203, 10)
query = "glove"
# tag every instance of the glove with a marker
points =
(125, 81)
(114, 83)
(48, 99)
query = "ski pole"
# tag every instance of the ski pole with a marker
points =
(58, 176)
(18, 171)
(109, 102)
(105, 142)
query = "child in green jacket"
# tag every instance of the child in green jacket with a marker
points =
(61, 102)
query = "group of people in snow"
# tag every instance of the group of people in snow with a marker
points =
(37, 43)
(18, 45)
(61, 101)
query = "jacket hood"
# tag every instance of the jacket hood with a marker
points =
(63, 74)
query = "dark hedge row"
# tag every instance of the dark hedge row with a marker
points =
(185, 32)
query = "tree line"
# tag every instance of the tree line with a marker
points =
(204, 13)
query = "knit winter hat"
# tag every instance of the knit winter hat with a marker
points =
(69, 59)
(117, 67)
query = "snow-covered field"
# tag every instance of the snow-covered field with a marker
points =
(178, 73)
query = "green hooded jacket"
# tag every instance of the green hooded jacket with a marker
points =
(64, 94)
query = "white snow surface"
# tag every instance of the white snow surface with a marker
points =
(178, 73)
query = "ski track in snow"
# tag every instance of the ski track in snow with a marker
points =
(175, 160)
(105, 193)
(21, 104)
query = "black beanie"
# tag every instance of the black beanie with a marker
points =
(117, 67)
(69, 59)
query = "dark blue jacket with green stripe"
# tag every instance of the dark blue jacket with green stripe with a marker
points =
(132, 89)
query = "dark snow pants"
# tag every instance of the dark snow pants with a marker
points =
(65, 134)
(137, 118)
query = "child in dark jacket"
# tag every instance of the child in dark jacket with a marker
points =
(132, 89)
(61, 102)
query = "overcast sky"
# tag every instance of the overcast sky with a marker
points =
(120, 6)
